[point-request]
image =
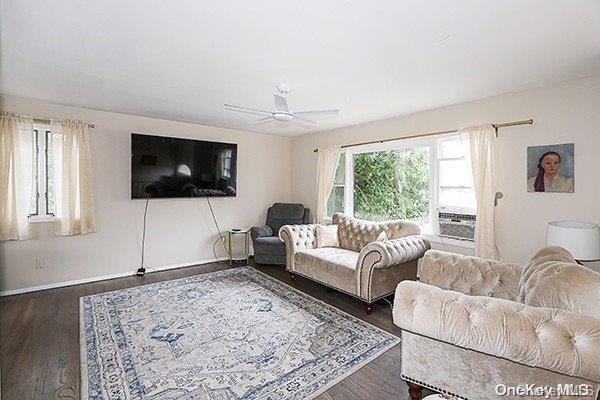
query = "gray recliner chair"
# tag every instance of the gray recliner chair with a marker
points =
(268, 248)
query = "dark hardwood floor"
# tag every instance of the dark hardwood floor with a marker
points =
(39, 337)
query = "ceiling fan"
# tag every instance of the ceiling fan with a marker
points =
(282, 112)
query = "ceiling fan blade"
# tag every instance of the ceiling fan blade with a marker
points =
(242, 111)
(280, 103)
(263, 120)
(248, 108)
(297, 122)
(314, 112)
(304, 119)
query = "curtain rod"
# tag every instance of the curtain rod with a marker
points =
(47, 121)
(496, 126)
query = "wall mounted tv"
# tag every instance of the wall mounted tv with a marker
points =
(167, 167)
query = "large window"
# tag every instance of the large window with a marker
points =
(408, 179)
(392, 183)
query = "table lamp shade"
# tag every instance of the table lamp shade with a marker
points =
(581, 239)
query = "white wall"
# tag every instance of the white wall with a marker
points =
(563, 113)
(179, 230)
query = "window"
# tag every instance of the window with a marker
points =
(408, 179)
(392, 183)
(455, 178)
(44, 182)
(336, 199)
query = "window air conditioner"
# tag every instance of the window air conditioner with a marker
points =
(456, 223)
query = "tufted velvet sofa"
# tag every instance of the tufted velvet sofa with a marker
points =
(472, 324)
(363, 266)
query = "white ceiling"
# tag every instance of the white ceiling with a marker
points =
(182, 60)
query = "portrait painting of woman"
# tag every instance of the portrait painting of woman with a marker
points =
(550, 168)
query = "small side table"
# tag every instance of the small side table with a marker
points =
(230, 234)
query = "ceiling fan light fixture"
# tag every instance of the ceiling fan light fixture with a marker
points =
(282, 112)
(283, 117)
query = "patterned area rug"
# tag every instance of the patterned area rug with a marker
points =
(232, 334)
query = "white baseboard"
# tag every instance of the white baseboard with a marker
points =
(106, 277)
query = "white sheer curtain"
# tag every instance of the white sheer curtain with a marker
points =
(74, 191)
(327, 163)
(17, 175)
(483, 145)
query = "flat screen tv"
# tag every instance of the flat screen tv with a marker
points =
(171, 167)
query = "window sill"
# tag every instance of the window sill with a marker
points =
(39, 220)
(467, 244)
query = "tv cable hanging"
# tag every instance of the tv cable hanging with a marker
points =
(142, 270)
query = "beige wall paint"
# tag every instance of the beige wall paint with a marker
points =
(179, 230)
(563, 113)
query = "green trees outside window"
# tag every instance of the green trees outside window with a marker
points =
(392, 184)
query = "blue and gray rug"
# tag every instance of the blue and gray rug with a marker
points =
(232, 334)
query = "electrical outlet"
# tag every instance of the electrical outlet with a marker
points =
(40, 263)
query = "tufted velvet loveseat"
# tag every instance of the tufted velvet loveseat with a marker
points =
(364, 266)
(473, 327)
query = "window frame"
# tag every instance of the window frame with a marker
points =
(388, 146)
(438, 144)
(41, 142)
(33, 215)
(434, 144)
(328, 218)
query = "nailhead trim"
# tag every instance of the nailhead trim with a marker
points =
(431, 387)
(370, 278)
(288, 251)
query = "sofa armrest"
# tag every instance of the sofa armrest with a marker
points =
(471, 275)
(296, 238)
(260, 231)
(549, 338)
(387, 254)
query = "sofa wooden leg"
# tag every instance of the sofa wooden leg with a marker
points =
(415, 391)
(368, 308)
(292, 276)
